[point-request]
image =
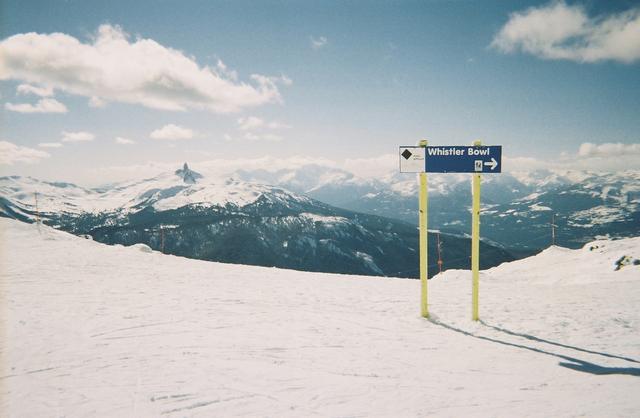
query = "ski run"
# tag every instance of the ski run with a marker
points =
(90, 330)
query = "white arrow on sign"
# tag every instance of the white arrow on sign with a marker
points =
(493, 163)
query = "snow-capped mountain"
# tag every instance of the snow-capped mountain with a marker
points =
(186, 213)
(327, 184)
(517, 206)
(171, 190)
(104, 331)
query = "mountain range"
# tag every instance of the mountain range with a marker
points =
(320, 218)
(231, 220)
(518, 208)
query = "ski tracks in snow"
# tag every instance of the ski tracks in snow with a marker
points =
(93, 330)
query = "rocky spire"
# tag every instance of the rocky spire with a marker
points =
(188, 175)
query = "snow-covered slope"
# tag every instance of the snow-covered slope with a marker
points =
(562, 266)
(23, 196)
(96, 330)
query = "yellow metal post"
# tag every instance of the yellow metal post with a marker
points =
(423, 206)
(475, 243)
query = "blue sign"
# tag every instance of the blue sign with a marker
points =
(463, 159)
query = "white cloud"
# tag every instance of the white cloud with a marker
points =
(524, 164)
(50, 145)
(107, 174)
(172, 132)
(277, 125)
(317, 43)
(254, 129)
(250, 123)
(38, 91)
(42, 106)
(11, 153)
(606, 157)
(607, 150)
(80, 136)
(97, 102)
(124, 141)
(284, 80)
(272, 137)
(113, 67)
(251, 136)
(561, 31)
(224, 70)
(371, 166)
(253, 123)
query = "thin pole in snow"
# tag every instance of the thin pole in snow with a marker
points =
(37, 210)
(439, 254)
(37, 213)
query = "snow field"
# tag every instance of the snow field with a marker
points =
(94, 330)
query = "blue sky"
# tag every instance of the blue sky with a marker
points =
(338, 81)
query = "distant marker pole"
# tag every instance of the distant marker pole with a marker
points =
(37, 210)
(37, 214)
(475, 243)
(439, 254)
(423, 207)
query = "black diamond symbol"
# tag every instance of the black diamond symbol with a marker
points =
(406, 154)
